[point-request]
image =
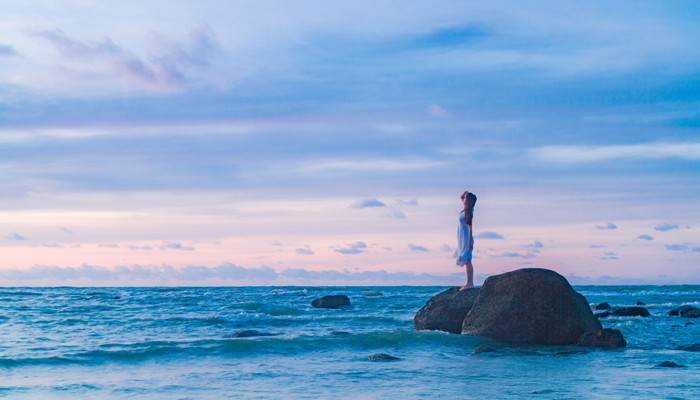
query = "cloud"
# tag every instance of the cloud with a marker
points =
(174, 246)
(415, 248)
(133, 247)
(398, 214)
(676, 247)
(610, 225)
(696, 249)
(66, 230)
(354, 248)
(7, 50)
(411, 202)
(446, 248)
(436, 111)
(305, 250)
(367, 203)
(52, 245)
(227, 273)
(16, 236)
(609, 255)
(512, 254)
(536, 245)
(489, 235)
(109, 245)
(104, 60)
(665, 227)
(644, 151)
(645, 237)
(596, 246)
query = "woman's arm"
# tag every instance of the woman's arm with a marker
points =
(470, 244)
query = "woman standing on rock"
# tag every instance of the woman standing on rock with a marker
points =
(465, 238)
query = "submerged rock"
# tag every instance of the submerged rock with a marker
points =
(641, 303)
(483, 348)
(602, 306)
(630, 312)
(446, 310)
(530, 306)
(669, 364)
(608, 338)
(682, 309)
(334, 301)
(251, 333)
(372, 293)
(690, 312)
(689, 347)
(382, 357)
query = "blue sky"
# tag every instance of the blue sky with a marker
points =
(327, 143)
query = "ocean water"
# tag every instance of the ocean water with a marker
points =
(175, 343)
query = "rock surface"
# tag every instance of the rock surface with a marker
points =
(334, 301)
(602, 306)
(446, 310)
(690, 312)
(669, 364)
(681, 309)
(382, 357)
(689, 347)
(530, 306)
(608, 338)
(630, 312)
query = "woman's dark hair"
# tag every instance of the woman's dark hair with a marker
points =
(469, 208)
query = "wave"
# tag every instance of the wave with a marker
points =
(244, 347)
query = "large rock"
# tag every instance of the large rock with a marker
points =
(682, 310)
(446, 310)
(335, 301)
(530, 306)
(611, 338)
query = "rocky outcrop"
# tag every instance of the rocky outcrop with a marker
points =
(669, 364)
(334, 301)
(530, 306)
(691, 312)
(602, 306)
(608, 338)
(446, 310)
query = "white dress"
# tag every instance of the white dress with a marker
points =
(464, 253)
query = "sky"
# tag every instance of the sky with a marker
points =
(327, 143)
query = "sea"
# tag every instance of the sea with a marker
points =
(180, 343)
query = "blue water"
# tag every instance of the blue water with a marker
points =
(175, 343)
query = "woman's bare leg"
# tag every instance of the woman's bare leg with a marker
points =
(470, 275)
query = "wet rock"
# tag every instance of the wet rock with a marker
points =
(530, 306)
(372, 293)
(251, 333)
(602, 306)
(340, 333)
(446, 310)
(334, 301)
(630, 312)
(603, 314)
(641, 303)
(689, 323)
(689, 312)
(483, 348)
(669, 364)
(382, 357)
(689, 347)
(678, 310)
(607, 338)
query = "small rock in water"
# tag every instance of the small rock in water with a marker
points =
(340, 333)
(335, 301)
(251, 333)
(641, 303)
(603, 314)
(608, 338)
(602, 306)
(689, 323)
(669, 364)
(681, 309)
(689, 347)
(483, 348)
(630, 312)
(690, 313)
(372, 293)
(382, 357)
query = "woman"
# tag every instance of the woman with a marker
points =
(465, 238)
